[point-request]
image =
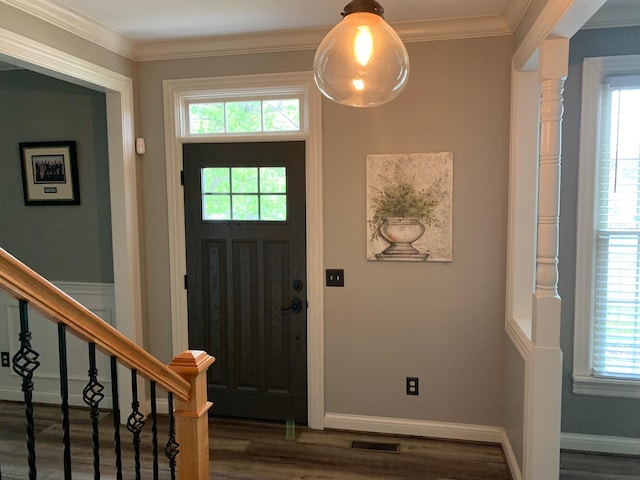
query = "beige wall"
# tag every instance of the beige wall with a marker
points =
(440, 322)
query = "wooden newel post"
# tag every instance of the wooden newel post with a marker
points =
(192, 427)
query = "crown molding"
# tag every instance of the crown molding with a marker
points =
(630, 21)
(290, 40)
(515, 11)
(281, 41)
(76, 24)
(453, 28)
(615, 16)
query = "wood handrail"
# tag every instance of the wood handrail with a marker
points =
(23, 283)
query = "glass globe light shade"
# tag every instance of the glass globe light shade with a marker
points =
(362, 62)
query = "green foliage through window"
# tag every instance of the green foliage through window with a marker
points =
(278, 115)
(244, 193)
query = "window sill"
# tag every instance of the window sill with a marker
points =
(519, 331)
(605, 387)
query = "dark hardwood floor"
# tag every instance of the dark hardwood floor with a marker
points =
(595, 466)
(259, 451)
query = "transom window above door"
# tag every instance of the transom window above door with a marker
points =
(244, 116)
(244, 193)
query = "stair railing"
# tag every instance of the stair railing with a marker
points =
(184, 380)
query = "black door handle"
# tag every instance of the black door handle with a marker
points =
(295, 307)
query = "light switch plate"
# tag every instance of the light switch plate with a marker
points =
(335, 277)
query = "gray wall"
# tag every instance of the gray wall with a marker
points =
(441, 322)
(581, 413)
(70, 243)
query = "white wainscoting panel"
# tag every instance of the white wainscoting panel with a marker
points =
(100, 299)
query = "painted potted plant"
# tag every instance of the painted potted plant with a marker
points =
(401, 214)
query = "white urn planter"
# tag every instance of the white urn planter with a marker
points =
(401, 233)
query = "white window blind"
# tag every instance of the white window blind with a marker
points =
(616, 306)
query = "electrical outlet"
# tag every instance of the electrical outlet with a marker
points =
(335, 278)
(412, 386)
(4, 358)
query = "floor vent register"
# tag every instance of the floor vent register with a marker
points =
(376, 446)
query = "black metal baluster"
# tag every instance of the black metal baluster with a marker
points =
(171, 447)
(64, 395)
(135, 421)
(25, 362)
(92, 396)
(116, 417)
(154, 430)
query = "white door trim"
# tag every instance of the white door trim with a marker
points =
(174, 93)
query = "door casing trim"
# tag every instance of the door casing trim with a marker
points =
(118, 89)
(174, 93)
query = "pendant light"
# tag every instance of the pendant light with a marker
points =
(361, 62)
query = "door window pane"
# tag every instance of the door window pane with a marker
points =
(246, 207)
(215, 180)
(273, 180)
(244, 180)
(216, 207)
(273, 207)
(244, 193)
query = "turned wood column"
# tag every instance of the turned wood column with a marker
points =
(543, 375)
(192, 419)
(551, 110)
(546, 307)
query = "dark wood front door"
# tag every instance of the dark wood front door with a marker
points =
(246, 275)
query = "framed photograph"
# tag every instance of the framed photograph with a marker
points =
(50, 173)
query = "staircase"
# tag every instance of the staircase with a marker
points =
(186, 444)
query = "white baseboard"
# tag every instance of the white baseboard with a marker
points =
(422, 428)
(600, 444)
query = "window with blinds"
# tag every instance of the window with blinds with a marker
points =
(616, 291)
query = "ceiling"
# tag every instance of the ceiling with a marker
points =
(148, 20)
(157, 29)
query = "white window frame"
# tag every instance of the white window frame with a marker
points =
(595, 71)
(234, 94)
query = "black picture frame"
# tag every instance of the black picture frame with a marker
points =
(50, 173)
